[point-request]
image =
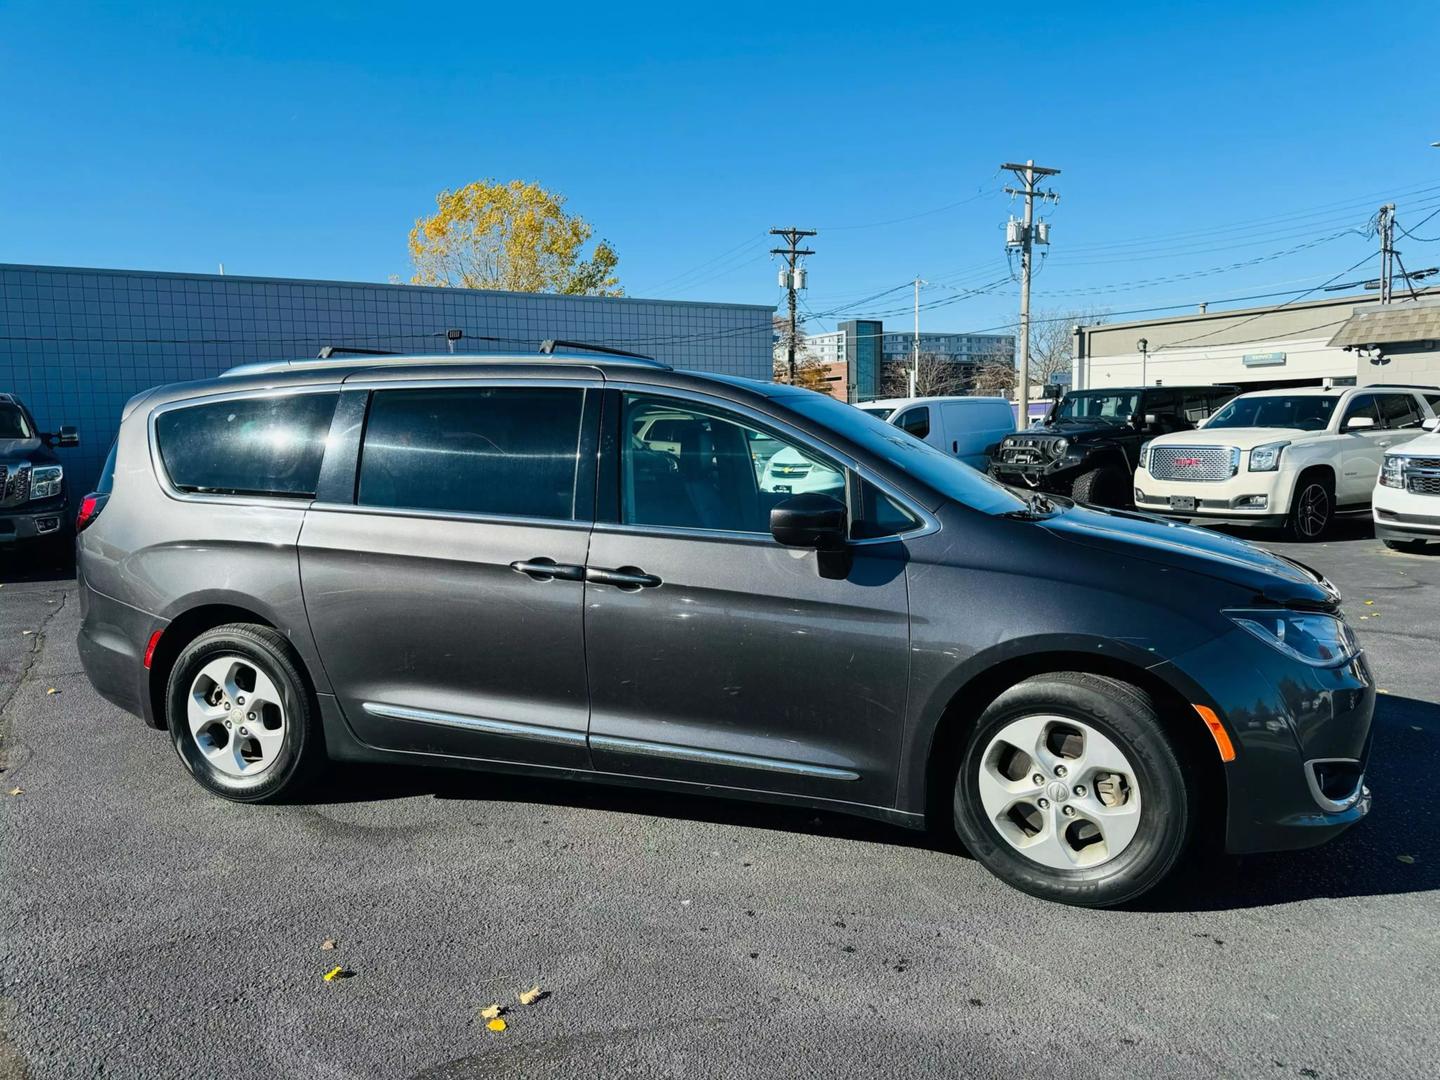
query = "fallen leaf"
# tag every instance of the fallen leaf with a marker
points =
(497, 1024)
(337, 973)
(52, 690)
(1369, 602)
(1381, 690)
(1406, 859)
(26, 633)
(529, 997)
(490, 1012)
(328, 943)
(16, 791)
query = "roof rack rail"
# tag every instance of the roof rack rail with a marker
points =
(548, 346)
(327, 351)
(380, 360)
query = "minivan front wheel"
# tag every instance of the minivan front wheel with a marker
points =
(241, 715)
(1069, 790)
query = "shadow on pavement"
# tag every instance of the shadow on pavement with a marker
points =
(1365, 861)
(25, 562)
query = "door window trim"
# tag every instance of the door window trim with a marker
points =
(928, 523)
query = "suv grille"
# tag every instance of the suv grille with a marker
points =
(14, 484)
(1193, 462)
(1029, 450)
(1425, 485)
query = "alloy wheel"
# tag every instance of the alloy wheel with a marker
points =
(236, 716)
(1059, 792)
(1313, 512)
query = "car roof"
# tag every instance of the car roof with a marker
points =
(1328, 391)
(440, 362)
(1137, 389)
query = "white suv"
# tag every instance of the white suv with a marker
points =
(1406, 501)
(1293, 457)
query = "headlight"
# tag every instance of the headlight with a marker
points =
(1060, 446)
(1392, 473)
(1312, 638)
(1266, 458)
(45, 481)
(1145, 456)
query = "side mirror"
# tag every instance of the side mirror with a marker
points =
(68, 435)
(1359, 423)
(817, 521)
(1430, 423)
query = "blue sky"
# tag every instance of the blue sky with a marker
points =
(302, 140)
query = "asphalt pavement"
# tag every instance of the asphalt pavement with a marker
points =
(150, 930)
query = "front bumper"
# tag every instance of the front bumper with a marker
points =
(1244, 499)
(33, 520)
(1057, 476)
(1405, 515)
(1301, 736)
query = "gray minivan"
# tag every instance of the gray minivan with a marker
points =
(574, 566)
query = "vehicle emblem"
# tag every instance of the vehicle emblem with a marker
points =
(1057, 791)
(1186, 462)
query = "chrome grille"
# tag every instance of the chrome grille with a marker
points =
(14, 484)
(1193, 462)
(1423, 463)
(1424, 485)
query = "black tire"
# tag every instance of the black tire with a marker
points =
(1312, 507)
(301, 747)
(1106, 486)
(1410, 546)
(1127, 717)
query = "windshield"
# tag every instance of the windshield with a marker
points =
(878, 410)
(1114, 406)
(1307, 412)
(935, 468)
(13, 424)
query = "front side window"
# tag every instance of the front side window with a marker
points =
(711, 470)
(13, 424)
(269, 446)
(507, 451)
(916, 421)
(1362, 405)
(1399, 411)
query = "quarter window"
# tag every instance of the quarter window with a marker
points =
(708, 470)
(268, 446)
(508, 451)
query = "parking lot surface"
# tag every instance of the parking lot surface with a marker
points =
(150, 930)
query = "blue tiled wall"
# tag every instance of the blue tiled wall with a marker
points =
(76, 344)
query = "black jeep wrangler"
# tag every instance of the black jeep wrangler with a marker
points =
(1088, 443)
(33, 496)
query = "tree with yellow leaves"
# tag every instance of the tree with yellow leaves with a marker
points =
(514, 236)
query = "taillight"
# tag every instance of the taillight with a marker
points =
(90, 507)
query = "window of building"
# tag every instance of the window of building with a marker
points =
(247, 446)
(507, 451)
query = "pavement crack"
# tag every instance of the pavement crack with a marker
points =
(27, 672)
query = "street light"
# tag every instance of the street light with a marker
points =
(1144, 346)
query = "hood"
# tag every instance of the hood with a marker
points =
(1074, 429)
(1424, 446)
(1127, 534)
(1246, 438)
(24, 450)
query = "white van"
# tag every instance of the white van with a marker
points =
(967, 427)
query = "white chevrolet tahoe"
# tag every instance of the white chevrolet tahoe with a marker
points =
(1293, 457)
(1406, 502)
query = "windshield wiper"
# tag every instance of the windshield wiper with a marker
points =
(1037, 505)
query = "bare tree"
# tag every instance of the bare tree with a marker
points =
(995, 369)
(1052, 343)
(936, 375)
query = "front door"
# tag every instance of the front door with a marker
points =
(719, 657)
(446, 599)
(1362, 450)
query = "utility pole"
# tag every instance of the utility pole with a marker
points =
(1385, 226)
(1024, 236)
(792, 278)
(915, 365)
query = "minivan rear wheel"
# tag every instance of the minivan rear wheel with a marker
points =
(1070, 790)
(241, 714)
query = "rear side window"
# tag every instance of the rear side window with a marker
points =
(247, 446)
(507, 451)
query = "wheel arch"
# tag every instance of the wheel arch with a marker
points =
(941, 745)
(179, 632)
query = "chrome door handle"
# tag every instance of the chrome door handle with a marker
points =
(543, 569)
(629, 578)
